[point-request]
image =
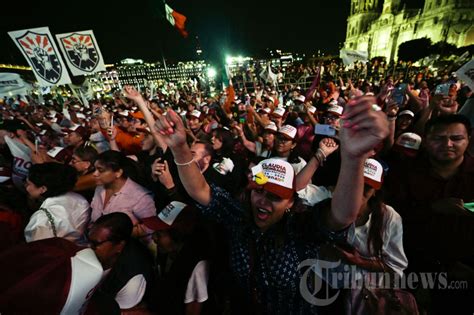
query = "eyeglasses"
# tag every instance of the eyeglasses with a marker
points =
(93, 243)
(282, 138)
(331, 118)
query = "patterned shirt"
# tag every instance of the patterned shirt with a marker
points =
(277, 252)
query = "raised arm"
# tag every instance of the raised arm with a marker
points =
(247, 144)
(326, 147)
(135, 96)
(365, 126)
(171, 127)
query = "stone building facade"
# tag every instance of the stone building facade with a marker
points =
(380, 28)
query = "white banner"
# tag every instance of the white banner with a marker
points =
(349, 56)
(11, 84)
(39, 49)
(81, 52)
(466, 73)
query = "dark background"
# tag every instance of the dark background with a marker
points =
(137, 29)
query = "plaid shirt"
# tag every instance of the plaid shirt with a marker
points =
(275, 265)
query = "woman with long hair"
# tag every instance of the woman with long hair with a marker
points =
(374, 242)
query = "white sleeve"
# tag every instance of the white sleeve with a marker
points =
(132, 293)
(258, 148)
(392, 248)
(312, 194)
(196, 290)
(38, 227)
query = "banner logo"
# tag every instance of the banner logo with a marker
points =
(81, 51)
(38, 48)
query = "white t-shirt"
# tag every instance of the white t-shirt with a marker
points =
(196, 290)
(21, 161)
(132, 293)
(86, 273)
(259, 152)
(70, 212)
(392, 249)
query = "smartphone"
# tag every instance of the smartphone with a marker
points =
(325, 130)
(442, 89)
(398, 94)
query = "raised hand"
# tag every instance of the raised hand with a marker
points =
(392, 109)
(160, 171)
(328, 146)
(112, 132)
(363, 128)
(172, 129)
(131, 93)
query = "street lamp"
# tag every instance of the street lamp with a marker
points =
(211, 73)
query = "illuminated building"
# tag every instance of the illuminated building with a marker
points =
(138, 73)
(380, 30)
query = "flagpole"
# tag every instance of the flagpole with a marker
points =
(163, 44)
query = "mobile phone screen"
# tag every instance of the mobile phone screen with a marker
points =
(326, 130)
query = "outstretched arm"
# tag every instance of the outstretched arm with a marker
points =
(364, 127)
(247, 144)
(171, 128)
(135, 96)
(326, 147)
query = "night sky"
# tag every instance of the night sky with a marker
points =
(136, 29)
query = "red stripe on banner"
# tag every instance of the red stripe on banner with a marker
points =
(88, 39)
(50, 49)
(68, 47)
(25, 44)
(45, 41)
(180, 21)
(66, 41)
(30, 40)
(38, 39)
(81, 38)
(89, 44)
(73, 39)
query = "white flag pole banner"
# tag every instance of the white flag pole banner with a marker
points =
(39, 49)
(81, 52)
(349, 56)
(466, 73)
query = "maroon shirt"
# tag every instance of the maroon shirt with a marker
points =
(411, 190)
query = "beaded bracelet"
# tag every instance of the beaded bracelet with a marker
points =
(184, 164)
(320, 157)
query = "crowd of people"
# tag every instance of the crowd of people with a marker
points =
(186, 203)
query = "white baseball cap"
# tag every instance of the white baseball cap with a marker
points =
(279, 112)
(276, 176)
(289, 131)
(373, 173)
(300, 98)
(271, 126)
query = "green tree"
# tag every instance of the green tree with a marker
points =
(414, 50)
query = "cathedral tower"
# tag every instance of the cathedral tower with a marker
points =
(363, 12)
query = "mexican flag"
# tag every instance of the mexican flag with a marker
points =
(176, 19)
